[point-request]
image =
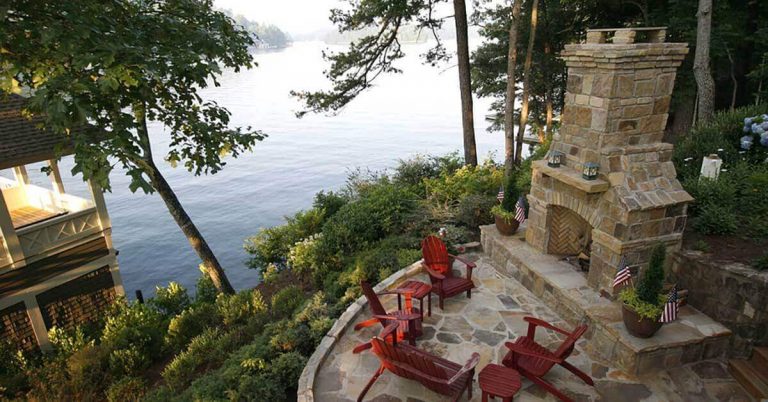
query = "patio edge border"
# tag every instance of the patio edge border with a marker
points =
(307, 380)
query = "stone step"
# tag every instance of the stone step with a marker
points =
(760, 361)
(747, 375)
(692, 337)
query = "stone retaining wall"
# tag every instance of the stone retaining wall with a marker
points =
(733, 294)
(307, 379)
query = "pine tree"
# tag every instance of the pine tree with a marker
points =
(650, 285)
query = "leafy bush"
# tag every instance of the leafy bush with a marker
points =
(271, 245)
(450, 188)
(205, 289)
(407, 256)
(651, 311)
(67, 342)
(715, 219)
(650, 284)
(761, 263)
(127, 389)
(310, 257)
(722, 132)
(12, 376)
(133, 333)
(209, 348)
(238, 308)
(191, 323)
(380, 212)
(329, 203)
(474, 210)
(286, 301)
(171, 300)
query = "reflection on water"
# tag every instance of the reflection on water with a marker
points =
(415, 112)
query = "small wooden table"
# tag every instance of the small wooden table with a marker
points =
(420, 290)
(499, 381)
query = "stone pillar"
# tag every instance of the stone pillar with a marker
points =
(616, 107)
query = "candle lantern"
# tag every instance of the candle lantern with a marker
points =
(554, 159)
(589, 172)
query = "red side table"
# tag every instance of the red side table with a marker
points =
(420, 290)
(499, 381)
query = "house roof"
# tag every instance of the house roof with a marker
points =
(22, 140)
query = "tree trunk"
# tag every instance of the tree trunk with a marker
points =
(509, 104)
(701, 69)
(526, 83)
(548, 96)
(465, 82)
(195, 238)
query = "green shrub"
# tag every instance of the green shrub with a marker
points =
(67, 342)
(12, 377)
(708, 192)
(87, 373)
(450, 188)
(204, 349)
(127, 389)
(171, 300)
(374, 265)
(133, 333)
(191, 323)
(329, 203)
(474, 210)
(309, 257)
(407, 256)
(205, 290)
(238, 308)
(761, 263)
(286, 301)
(723, 131)
(650, 284)
(701, 245)
(286, 370)
(651, 311)
(271, 245)
(715, 219)
(379, 212)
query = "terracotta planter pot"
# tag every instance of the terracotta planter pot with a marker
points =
(506, 229)
(640, 327)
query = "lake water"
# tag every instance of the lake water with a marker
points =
(417, 112)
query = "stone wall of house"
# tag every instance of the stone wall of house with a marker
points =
(732, 294)
(78, 301)
(16, 328)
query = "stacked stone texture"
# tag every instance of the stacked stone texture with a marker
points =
(16, 328)
(79, 301)
(616, 109)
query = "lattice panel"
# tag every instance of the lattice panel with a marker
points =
(568, 232)
(39, 240)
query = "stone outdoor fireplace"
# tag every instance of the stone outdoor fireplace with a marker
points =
(616, 106)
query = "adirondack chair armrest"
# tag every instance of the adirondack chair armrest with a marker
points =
(404, 317)
(468, 366)
(433, 273)
(469, 264)
(367, 323)
(523, 351)
(535, 322)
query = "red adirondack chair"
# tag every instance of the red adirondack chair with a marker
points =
(438, 265)
(534, 361)
(440, 375)
(408, 320)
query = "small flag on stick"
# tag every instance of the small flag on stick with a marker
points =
(520, 210)
(500, 195)
(670, 307)
(622, 273)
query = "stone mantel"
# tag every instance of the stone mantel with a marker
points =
(572, 177)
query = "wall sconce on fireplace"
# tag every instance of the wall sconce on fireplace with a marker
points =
(590, 170)
(554, 159)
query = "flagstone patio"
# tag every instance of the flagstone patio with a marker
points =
(482, 324)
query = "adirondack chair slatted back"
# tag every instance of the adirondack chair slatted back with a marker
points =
(397, 359)
(373, 299)
(566, 348)
(436, 255)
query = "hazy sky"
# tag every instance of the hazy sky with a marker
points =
(294, 16)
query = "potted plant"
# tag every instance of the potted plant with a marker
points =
(504, 213)
(642, 305)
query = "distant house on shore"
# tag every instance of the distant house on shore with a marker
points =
(58, 266)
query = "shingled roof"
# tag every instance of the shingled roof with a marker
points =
(22, 141)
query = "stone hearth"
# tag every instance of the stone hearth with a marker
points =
(615, 113)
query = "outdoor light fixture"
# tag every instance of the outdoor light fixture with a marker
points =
(554, 159)
(589, 172)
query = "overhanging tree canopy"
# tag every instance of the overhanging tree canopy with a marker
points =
(113, 65)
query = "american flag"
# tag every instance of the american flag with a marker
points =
(520, 210)
(670, 307)
(622, 274)
(500, 195)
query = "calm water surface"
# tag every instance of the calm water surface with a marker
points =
(417, 112)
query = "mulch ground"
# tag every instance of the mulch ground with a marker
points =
(730, 248)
